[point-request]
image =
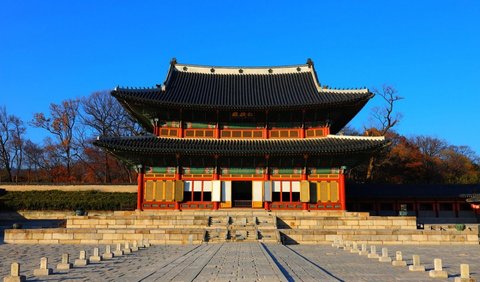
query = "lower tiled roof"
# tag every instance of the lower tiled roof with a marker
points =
(330, 145)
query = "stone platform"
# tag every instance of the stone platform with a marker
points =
(288, 227)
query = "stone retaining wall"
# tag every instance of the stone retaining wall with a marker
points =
(173, 221)
(387, 237)
(102, 236)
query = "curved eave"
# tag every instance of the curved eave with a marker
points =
(327, 146)
(152, 97)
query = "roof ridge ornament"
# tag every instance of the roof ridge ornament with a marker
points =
(310, 62)
(173, 61)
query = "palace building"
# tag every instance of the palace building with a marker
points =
(249, 137)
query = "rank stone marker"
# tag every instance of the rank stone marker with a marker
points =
(464, 274)
(373, 252)
(82, 259)
(399, 260)
(438, 271)
(364, 251)
(126, 249)
(43, 270)
(96, 256)
(354, 249)
(135, 246)
(118, 251)
(416, 264)
(385, 257)
(108, 253)
(146, 243)
(348, 246)
(335, 242)
(341, 245)
(65, 264)
(15, 274)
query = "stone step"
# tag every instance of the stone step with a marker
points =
(104, 236)
(383, 236)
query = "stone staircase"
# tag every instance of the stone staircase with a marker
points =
(242, 228)
(288, 227)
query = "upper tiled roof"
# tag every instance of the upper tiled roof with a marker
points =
(246, 88)
(330, 145)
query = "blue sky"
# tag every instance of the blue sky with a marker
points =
(428, 50)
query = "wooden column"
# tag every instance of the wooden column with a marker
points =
(217, 127)
(215, 177)
(302, 131)
(305, 177)
(341, 183)
(265, 128)
(140, 186)
(180, 131)
(178, 176)
(156, 130)
(266, 177)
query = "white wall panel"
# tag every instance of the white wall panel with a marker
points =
(197, 186)
(295, 186)
(207, 186)
(257, 193)
(285, 186)
(276, 186)
(216, 190)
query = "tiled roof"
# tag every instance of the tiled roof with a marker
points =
(330, 145)
(250, 88)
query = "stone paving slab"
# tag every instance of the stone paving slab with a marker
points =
(239, 262)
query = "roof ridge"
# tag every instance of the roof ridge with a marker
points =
(351, 137)
(242, 70)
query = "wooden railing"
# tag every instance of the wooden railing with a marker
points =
(274, 133)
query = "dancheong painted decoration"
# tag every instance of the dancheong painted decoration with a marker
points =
(249, 137)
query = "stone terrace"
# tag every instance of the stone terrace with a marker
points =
(174, 227)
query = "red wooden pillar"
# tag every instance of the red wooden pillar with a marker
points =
(341, 182)
(302, 130)
(140, 186)
(266, 177)
(215, 177)
(304, 177)
(178, 177)
(217, 127)
(435, 208)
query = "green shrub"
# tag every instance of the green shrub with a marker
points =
(62, 200)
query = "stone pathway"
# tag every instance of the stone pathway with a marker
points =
(239, 262)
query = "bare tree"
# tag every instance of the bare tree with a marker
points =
(11, 143)
(384, 119)
(61, 123)
(104, 114)
(34, 154)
